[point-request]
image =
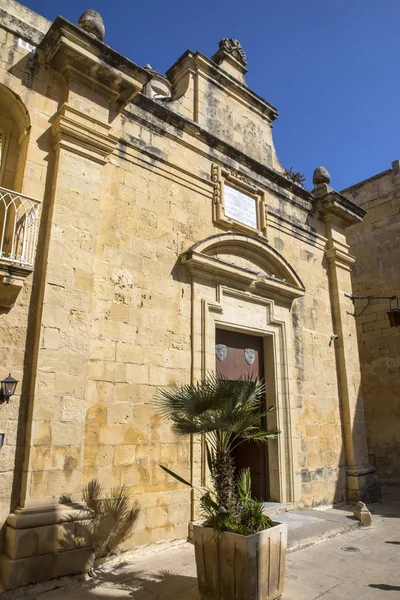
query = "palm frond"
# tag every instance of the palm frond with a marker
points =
(213, 403)
(228, 413)
(177, 477)
(210, 457)
(261, 436)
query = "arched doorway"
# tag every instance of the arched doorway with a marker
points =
(242, 285)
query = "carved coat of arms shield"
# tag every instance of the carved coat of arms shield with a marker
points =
(221, 351)
(250, 355)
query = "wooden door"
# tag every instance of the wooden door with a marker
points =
(238, 355)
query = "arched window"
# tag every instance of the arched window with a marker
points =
(19, 214)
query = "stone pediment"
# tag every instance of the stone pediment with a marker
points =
(245, 259)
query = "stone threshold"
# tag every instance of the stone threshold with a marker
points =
(308, 526)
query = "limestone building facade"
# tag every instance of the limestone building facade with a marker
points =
(147, 219)
(376, 243)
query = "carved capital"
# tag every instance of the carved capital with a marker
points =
(82, 134)
(339, 257)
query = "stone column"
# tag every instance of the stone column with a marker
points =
(48, 534)
(338, 213)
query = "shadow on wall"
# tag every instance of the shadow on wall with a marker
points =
(114, 518)
(369, 489)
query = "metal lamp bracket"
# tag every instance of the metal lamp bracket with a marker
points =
(369, 298)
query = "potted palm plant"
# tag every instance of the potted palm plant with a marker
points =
(240, 552)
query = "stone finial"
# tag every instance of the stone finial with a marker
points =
(363, 515)
(91, 22)
(233, 47)
(321, 176)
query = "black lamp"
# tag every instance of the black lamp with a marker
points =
(7, 389)
(394, 313)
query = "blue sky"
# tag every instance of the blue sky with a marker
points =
(330, 67)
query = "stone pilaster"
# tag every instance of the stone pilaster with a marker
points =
(48, 535)
(337, 213)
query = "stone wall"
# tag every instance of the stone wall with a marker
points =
(376, 243)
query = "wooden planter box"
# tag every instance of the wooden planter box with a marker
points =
(238, 567)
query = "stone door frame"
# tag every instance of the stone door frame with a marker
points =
(275, 335)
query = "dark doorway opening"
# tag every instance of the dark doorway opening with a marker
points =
(238, 355)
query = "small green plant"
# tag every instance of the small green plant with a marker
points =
(227, 413)
(294, 176)
(244, 516)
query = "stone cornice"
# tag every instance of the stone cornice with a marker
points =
(19, 28)
(196, 62)
(331, 204)
(66, 47)
(166, 115)
(23, 22)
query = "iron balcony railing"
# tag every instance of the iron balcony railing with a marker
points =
(19, 222)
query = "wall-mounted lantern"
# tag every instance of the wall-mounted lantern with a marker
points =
(7, 389)
(2, 437)
(392, 313)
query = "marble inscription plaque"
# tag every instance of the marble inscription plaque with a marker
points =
(240, 206)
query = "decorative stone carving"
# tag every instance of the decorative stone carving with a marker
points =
(250, 355)
(222, 178)
(216, 179)
(221, 352)
(241, 177)
(234, 48)
(158, 87)
(321, 176)
(362, 513)
(91, 22)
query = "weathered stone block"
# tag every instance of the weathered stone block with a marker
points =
(363, 515)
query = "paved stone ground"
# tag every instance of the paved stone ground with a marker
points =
(324, 570)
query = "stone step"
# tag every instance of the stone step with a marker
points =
(273, 508)
(308, 526)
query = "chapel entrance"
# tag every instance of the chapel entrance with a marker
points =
(238, 355)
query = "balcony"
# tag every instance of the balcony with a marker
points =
(19, 223)
(19, 215)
